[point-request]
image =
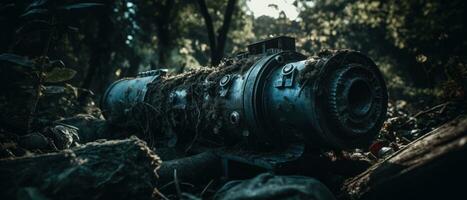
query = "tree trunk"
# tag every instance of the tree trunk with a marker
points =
(430, 167)
(164, 36)
(217, 46)
(209, 27)
(120, 169)
(223, 31)
(99, 68)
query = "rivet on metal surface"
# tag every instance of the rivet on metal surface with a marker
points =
(287, 69)
(225, 83)
(234, 117)
(225, 80)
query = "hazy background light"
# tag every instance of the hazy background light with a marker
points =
(272, 8)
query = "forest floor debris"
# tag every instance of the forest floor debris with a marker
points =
(405, 123)
(70, 123)
(116, 169)
(425, 169)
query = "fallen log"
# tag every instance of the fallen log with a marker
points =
(431, 167)
(118, 169)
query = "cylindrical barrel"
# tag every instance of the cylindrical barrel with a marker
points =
(336, 100)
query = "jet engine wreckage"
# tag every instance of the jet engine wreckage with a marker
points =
(271, 100)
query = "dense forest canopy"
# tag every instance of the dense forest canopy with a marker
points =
(417, 43)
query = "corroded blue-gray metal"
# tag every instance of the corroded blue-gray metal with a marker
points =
(337, 100)
(124, 93)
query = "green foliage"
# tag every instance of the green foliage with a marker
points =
(24, 76)
(57, 75)
(57, 15)
(416, 43)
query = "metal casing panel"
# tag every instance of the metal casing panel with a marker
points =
(122, 95)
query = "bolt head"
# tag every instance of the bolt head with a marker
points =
(234, 117)
(287, 69)
(225, 80)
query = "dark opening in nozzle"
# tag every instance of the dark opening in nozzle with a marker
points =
(359, 97)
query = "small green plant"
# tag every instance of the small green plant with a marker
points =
(50, 17)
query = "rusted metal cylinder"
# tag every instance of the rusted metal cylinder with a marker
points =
(267, 97)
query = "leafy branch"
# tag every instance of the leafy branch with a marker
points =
(52, 17)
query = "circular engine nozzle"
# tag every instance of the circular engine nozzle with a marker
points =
(338, 100)
(352, 99)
